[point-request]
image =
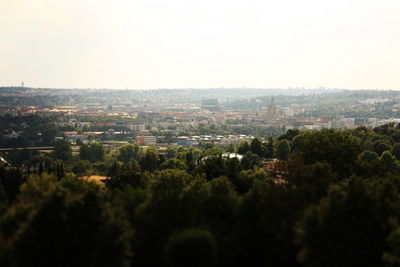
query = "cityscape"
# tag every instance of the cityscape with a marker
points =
(213, 133)
(166, 118)
(205, 154)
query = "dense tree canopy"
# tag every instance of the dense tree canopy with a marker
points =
(307, 198)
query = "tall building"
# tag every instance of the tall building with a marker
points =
(271, 108)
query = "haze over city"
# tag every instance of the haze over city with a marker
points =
(200, 44)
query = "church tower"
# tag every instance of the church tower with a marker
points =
(271, 109)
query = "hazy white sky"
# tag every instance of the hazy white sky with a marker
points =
(204, 43)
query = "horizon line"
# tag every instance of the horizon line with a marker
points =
(202, 88)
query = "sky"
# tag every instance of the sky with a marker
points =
(149, 44)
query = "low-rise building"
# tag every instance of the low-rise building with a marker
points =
(146, 140)
(136, 126)
(186, 141)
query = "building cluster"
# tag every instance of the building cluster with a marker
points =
(155, 120)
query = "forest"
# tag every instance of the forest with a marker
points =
(305, 198)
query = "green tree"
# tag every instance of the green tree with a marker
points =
(263, 233)
(62, 150)
(219, 203)
(243, 148)
(10, 181)
(230, 148)
(347, 218)
(269, 148)
(48, 135)
(368, 164)
(75, 229)
(250, 160)
(212, 166)
(247, 178)
(84, 152)
(173, 164)
(232, 169)
(283, 150)
(298, 141)
(256, 147)
(96, 151)
(206, 145)
(128, 152)
(290, 134)
(126, 174)
(191, 247)
(381, 147)
(396, 150)
(163, 205)
(80, 167)
(339, 148)
(171, 152)
(150, 160)
(388, 163)
(190, 160)
(392, 256)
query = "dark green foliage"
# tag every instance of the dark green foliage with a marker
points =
(298, 141)
(21, 157)
(351, 216)
(150, 161)
(173, 164)
(191, 247)
(220, 203)
(269, 148)
(190, 161)
(264, 233)
(159, 216)
(212, 166)
(230, 148)
(80, 167)
(10, 181)
(368, 164)
(243, 148)
(388, 162)
(311, 181)
(381, 147)
(246, 179)
(392, 256)
(129, 198)
(62, 150)
(283, 150)
(289, 135)
(250, 160)
(127, 153)
(256, 147)
(396, 150)
(332, 199)
(206, 145)
(125, 174)
(340, 149)
(232, 169)
(84, 152)
(61, 222)
(35, 130)
(170, 153)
